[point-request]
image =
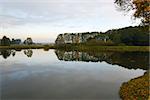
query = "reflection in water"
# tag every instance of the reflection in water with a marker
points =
(130, 60)
(5, 53)
(28, 52)
(13, 53)
(137, 88)
(44, 77)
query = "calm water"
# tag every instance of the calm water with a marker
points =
(61, 75)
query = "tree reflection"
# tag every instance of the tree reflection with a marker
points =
(28, 52)
(5, 53)
(130, 60)
(13, 53)
(135, 89)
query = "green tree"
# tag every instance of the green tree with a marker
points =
(5, 41)
(28, 41)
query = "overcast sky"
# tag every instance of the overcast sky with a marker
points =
(43, 20)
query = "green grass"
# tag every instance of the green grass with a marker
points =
(107, 48)
(27, 47)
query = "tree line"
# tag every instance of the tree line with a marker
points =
(136, 36)
(5, 41)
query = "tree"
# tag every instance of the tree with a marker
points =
(138, 36)
(5, 41)
(15, 41)
(141, 7)
(28, 41)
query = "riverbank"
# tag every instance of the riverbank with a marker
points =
(136, 89)
(105, 48)
(82, 48)
(27, 47)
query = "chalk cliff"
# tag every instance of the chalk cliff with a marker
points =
(75, 37)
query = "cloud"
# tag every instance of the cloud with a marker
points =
(39, 11)
(58, 16)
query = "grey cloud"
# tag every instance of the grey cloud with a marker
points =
(19, 12)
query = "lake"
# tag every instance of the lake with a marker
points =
(67, 75)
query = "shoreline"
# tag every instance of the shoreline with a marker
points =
(82, 48)
(137, 88)
(27, 47)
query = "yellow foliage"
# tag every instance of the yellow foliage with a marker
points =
(136, 89)
(141, 7)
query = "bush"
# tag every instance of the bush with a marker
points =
(94, 42)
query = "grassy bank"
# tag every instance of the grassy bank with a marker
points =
(106, 48)
(136, 89)
(27, 47)
(82, 48)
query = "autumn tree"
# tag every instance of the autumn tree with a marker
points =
(141, 8)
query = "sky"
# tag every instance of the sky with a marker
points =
(43, 20)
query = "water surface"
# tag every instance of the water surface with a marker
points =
(62, 75)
